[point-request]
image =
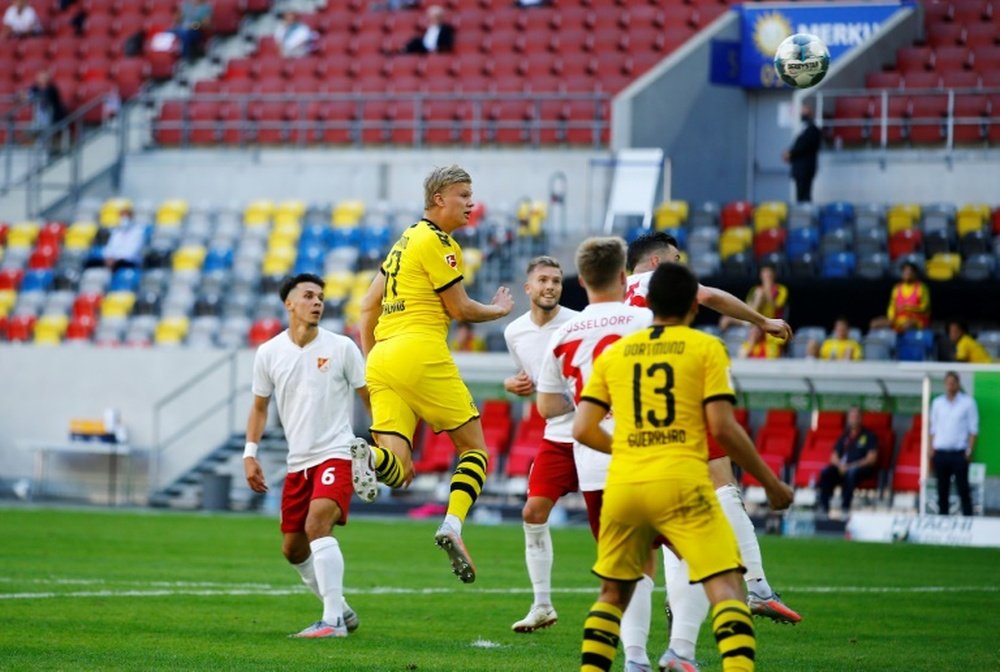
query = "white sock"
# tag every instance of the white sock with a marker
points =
(538, 558)
(688, 605)
(732, 505)
(305, 570)
(635, 622)
(328, 563)
(454, 521)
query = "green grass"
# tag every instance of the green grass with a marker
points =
(94, 559)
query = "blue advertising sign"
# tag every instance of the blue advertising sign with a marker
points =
(841, 26)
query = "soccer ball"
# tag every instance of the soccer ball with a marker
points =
(802, 60)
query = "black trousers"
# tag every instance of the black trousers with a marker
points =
(803, 187)
(831, 477)
(948, 463)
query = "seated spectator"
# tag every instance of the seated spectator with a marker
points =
(295, 38)
(439, 37)
(853, 460)
(466, 340)
(124, 248)
(194, 20)
(20, 20)
(909, 303)
(812, 349)
(759, 345)
(769, 298)
(840, 345)
(393, 5)
(533, 3)
(967, 349)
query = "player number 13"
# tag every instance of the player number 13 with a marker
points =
(666, 391)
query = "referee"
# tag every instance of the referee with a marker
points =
(954, 426)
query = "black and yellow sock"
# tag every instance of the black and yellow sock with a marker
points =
(733, 628)
(467, 482)
(388, 469)
(600, 637)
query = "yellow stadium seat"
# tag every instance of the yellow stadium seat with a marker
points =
(171, 212)
(278, 261)
(189, 258)
(258, 213)
(944, 266)
(683, 258)
(473, 259)
(362, 280)
(736, 239)
(902, 217)
(79, 235)
(289, 212)
(117, 304)
(8, 297)
(286, 230)
(338, 285)
(769, 215)
(111, 211)
(347, 214)
(171, 330)
(49, 329)
(352, 310)
(23, 234)
(972, 217)
(670, 215)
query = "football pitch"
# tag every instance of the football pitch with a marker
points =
(96, 590)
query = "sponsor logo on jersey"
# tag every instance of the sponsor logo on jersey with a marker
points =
(323, 364)
(452, 260)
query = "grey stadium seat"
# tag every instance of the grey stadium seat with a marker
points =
(979, 267)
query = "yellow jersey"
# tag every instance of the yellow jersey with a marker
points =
(424, 261)
(834, 348)
(968, 350)
(656, 382)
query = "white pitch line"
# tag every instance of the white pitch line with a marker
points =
(264, 590)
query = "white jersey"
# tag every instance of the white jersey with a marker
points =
(526, 342)
(314, 388)
(637, 289)
(569, 360)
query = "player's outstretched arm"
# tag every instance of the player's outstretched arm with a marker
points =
(723, 302)
(460, 306)
(371, 308)
(587, 426)
(553, 404)
(722, 423)
(256, 422)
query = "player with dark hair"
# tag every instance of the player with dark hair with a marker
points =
(311, 373)
(667, 385)
(411, 374)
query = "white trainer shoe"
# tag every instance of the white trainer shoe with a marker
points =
(540, 616)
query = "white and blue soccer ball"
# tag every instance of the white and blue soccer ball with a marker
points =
(802, 60)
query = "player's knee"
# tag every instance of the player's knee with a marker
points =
(536, 511)
(295, 551)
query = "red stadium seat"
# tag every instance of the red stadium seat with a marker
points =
(914, 59)
(11, 278)
(904, 242)
(262, 331)
(815, 456)
(43, 256)
(436, 454)
(855, 113)
(895, 120)
(20, 328)
(960, 79)
(927, 119)
(980, 35)
(830, 421)
(129, 74)
(951, 58)
(769, 241)
(81, 328)
(944, 34)
(986, 58)
(906, 473)
(887, 79)
(921, 80)
(736, 214)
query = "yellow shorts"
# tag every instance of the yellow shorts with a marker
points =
(411, 378)
(686, 512)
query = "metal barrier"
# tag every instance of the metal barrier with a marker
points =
(400, 119)
(893, 115)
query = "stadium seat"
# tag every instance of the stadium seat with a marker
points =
(768, 241)
(49, 329)
(436, 453)
(776, 442)
(736, 214)
(904, 242)
(670, 214)
(839, 265)
(853, 115)
(814, 456)
(906, 471)
(943, 266)
(20, 328)
(769, 215)
(972, 217)
(979, 267)
(734, 240)
(263, 330)
(835, 216)
(915, 345)
(927, 119)
(873, 265)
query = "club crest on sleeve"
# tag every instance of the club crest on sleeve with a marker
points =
(452, 260)
(323, 364)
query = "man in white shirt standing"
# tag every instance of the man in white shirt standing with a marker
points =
(954, 427)
(21, 20)
(311, 373)
(552, 473)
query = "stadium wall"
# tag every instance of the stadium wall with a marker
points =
(501, 178)
(701, 128)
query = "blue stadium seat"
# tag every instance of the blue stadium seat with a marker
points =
(836, 216)
(374, 240)
(313, 234)
(839, 265)
(915, 345)
(634, 232)
(218, 259)
(125, 280)
(37, 280)
(680, 234)
(342, 236)
(801, 241)
(310, 257)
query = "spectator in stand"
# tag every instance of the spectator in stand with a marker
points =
(759, 345)
(533, 3)
(466, 339)
(125, 244)
(909, 303)
(439, 37)
(769, 298)
(853, 460)
(48, 106)
(803, 156)
(20, 20)
(953, 431)
(393, 5)
(840, 345)
(967, 349)
(295, 38)
(194, 20)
